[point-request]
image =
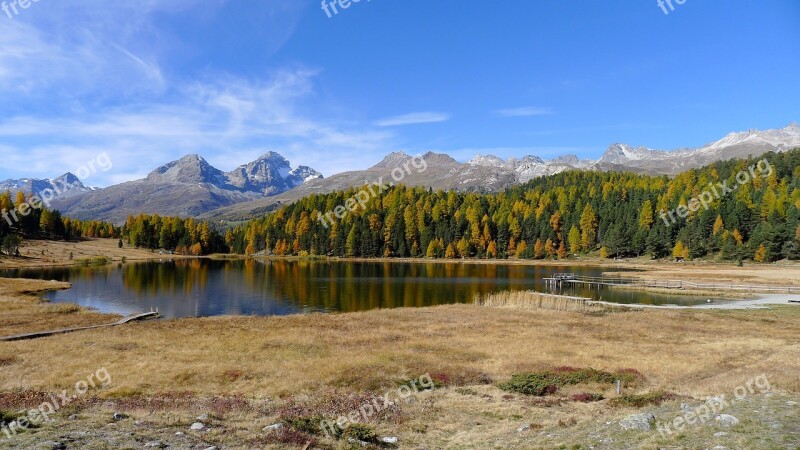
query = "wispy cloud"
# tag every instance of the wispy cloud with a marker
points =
(526, 111)
(228, 120)
(413, 119)
(122, 87)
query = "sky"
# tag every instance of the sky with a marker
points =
(149, 81)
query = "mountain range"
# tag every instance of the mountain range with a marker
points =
(191, 187)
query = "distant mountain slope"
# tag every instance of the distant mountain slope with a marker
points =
(187, 187)
(441, 172)
(734, 145)
(66, 185)
(489, 173)
(192, 187)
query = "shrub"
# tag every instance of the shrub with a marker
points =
(550, 381)
(641, 400)
(587, 397)
(306, 424)
(361, 432)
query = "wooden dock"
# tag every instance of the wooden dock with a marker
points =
(40, 334)
(559, 279)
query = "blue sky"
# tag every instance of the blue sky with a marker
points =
(148, 81)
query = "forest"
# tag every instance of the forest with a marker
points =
(31, 222)
(611, 214)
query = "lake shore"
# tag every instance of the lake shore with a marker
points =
(37, 254)
(241, 374)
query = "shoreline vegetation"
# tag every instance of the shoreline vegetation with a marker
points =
(242, 376)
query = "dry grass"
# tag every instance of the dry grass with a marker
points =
(538, 300)
(246, 370)
(277, 356)
(57, 253)
(22, 311)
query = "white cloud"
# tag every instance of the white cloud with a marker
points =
(526, 111)
(413, 118)
(228, 120)
(81, 78)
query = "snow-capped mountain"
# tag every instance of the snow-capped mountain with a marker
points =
(734, 145)
(189, 186)
(648, 160)
(66, 185)
(270, 174)
(530, 167)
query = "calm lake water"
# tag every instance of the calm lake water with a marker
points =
(200, 287)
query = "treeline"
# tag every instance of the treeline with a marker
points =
(24, 217)
(183, 236)
(578, 212)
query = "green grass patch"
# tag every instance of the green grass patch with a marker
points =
(550, 381)
(641, 400)
(93, 261)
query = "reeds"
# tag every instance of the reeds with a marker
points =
(538, 300)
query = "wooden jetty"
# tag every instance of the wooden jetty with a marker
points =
(39, 334)
(559, 279)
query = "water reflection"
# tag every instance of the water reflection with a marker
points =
(201, 287)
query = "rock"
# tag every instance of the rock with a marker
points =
(52, 445)
(791, 403)
(720, 447)
(726, 420)
(720, 434)
(686, 408)
(356, 441)
(273, 427)
(389, 440)
(642, 421)
(119, 416)
(179, 433)
(523, 428)
(212, 448)
(73, 417)
(197, 426)
(155, 444)
(202, 417)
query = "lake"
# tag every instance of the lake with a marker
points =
(204, 287)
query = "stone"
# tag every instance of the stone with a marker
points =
(523, 428)
(197, 426)
(726, 420)
(389, 440)
(641, 421)
(720, 434)
(273, 427)
(119, 416)
(791, 403)
(202, 417)
(155, 444)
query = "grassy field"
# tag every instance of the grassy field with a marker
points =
(240, 374)
(57, 253)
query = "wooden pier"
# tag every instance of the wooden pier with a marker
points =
(559, 279)
(39, 334)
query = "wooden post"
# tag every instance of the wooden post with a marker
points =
(619, 387)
